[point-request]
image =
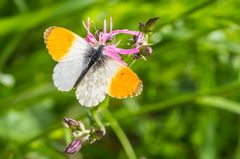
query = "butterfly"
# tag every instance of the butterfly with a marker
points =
(87, 69)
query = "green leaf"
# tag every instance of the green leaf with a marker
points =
(151, 22)
(220, 102)
(142, 27)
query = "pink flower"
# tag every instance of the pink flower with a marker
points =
(111, 50)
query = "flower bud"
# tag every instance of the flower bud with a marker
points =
(71, 123)
(74, 124)
(81, 125)
(95, 135)
(145, 50)
(74, 146)
(98, 134)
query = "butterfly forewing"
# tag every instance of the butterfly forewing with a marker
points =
(70, 51)
(122, 81)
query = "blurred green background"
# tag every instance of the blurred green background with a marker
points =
(190, 104)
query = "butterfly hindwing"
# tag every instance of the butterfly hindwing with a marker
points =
(70, 51)
(91, 90)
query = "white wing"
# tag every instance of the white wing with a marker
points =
(67, 71)
(91, 90)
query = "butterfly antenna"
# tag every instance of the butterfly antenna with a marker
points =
(105, 26)
(111, 24)
(87, 27)
(97, 29)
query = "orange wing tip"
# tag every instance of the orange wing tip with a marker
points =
(138, 91)
(47, 33)
(58, 41)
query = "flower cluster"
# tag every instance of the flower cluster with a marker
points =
(141, 48)
(81, 134)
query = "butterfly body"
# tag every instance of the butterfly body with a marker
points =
(88, 69)
(94, 58)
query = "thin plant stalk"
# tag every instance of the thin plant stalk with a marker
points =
(120, 134)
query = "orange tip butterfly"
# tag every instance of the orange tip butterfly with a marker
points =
(88, 69)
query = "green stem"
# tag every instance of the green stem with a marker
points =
(120, 134)
(98, 121)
